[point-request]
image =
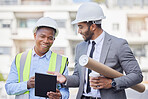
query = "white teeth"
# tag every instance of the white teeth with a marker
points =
(44, 45)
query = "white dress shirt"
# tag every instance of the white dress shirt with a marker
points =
(96, 56)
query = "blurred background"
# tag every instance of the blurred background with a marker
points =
(126, 19)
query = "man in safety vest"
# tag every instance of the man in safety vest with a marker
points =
(21, 79)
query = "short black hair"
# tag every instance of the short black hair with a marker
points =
(46, 27)
(91, 22)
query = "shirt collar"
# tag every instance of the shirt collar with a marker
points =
(47, 55)
(98, 39)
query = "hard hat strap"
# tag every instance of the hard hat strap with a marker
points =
(97, 22)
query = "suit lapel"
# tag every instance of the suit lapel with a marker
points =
(105, 47)
(83, 49)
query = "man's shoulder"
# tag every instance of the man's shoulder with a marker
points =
(116, 39)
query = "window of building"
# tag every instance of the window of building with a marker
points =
(137, 2)
(5, 23)
(115, 26)
(61, 23)
(138, 50)
(8, 2)
(36, 2)
(135, 25)
(5, 50)
(22, 23)
(26, 23)
(6, 26)
(130, 3)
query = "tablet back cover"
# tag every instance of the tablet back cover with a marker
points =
(44, 83)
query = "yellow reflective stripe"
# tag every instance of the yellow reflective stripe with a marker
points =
(52, 63)
(17, 62)
(27, 92)
(64, 59)
(26, 71)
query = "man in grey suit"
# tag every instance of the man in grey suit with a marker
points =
(105, 48)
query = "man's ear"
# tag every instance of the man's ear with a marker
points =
(34, 35)
(93, 27)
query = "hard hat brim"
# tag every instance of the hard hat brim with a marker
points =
(78, 21)
(74, 22)
(56, 33)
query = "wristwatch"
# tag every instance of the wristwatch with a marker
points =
(113, 83)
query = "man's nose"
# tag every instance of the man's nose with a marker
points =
(79, 31)
(46, 40)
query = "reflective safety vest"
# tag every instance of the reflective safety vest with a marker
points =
(57, 63)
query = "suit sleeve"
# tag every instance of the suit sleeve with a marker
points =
(130, 66)
(73, 80)
(64, 91)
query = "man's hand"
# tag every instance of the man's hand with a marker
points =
(100, 82)
(54, 95)
(31, 82)
(60, 77)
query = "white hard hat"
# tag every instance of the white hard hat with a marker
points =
(89, 11)
(48, 22)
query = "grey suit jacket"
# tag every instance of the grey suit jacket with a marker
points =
(117, 55)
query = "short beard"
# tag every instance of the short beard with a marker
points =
(88, 38)
(90, 33)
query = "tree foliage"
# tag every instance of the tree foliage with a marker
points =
(1, 77)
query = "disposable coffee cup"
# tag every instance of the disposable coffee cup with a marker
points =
(94, 74)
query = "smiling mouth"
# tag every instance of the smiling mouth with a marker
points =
(83, 35)
(45, 46)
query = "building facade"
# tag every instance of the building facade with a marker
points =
(124, 18)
